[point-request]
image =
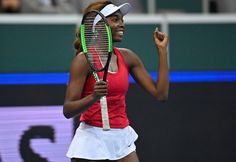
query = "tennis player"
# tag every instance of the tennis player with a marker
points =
(91, 143)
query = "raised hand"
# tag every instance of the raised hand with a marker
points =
(161, 39)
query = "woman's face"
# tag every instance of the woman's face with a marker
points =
(116, 23)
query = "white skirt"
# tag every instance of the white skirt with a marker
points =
(93, 143)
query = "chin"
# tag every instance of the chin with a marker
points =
(117, 39)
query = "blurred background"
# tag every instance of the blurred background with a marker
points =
(196, 124)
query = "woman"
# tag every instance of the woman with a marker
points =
(90, 142)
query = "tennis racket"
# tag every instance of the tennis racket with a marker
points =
(96, 42)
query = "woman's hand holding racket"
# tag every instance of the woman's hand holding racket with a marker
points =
(100, 89)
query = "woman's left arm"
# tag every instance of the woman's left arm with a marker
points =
(161, 42)
(160, 88)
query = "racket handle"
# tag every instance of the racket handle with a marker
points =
(104, 111)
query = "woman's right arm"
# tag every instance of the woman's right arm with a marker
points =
(74, 104)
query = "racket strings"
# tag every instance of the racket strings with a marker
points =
(96, 38)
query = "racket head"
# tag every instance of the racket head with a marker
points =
(96, 40)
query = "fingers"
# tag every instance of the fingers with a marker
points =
(100, 88)
(160, 38)
(159, 34)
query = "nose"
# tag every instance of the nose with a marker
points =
(121, 23)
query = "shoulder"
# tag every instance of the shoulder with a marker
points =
(79, 62)
(79, 59)
(125, 51)
(130, 56)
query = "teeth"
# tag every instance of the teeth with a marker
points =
(120, 32)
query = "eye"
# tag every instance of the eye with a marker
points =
(114, 19)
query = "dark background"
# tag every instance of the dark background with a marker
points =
(197, 123)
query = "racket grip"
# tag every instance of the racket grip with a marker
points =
(104, 111)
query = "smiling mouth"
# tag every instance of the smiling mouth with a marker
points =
(121, 33)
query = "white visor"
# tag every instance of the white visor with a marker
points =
(110, 9)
